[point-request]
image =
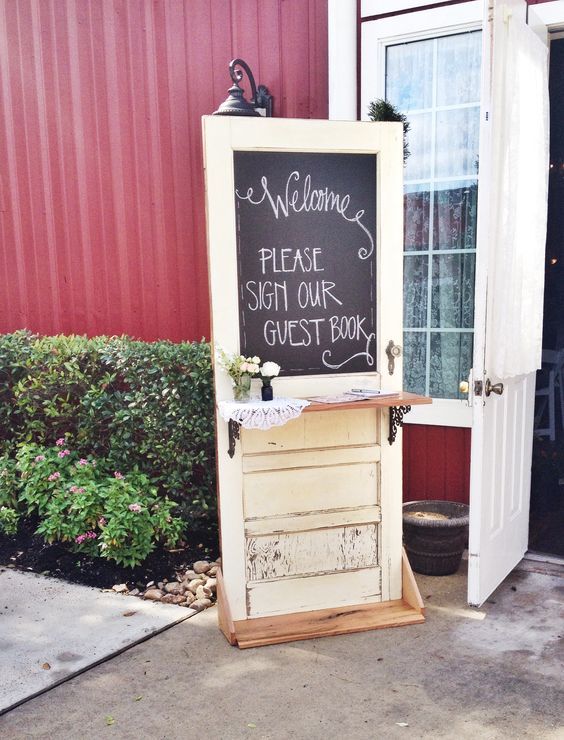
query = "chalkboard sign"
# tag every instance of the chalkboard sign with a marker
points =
(306, 259)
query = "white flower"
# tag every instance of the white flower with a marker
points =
(245, 367)
(255, 360)
(270, 370)
(253, 368)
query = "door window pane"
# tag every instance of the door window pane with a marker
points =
(454, 214)
(416, 217)
(456, 147)
(410, 75)
(452, 291)
(458, 59)
(416, 280)
(415, 371)
(436, 83)
(451, 358)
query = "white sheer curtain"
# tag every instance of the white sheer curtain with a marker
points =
(520, 139)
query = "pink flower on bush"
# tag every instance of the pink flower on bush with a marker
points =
(76, 489)
(64, 453)
(118, 475)
(82, 461)
(86, 536)
(60, 442)
(54, 476)
(134, 507)
(40, 458)
(102, 521)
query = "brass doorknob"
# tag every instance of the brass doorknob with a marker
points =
(463, 386)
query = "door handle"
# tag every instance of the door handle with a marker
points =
(497, 388)
(392, 351)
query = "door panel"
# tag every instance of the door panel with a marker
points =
(503, 469)
(502, 431)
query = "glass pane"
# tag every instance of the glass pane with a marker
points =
(414, 368)
(416, 204)
(457, 142)
(452, 291)
(409, 75)
(455, 212)
(419, 163)
(458, 61)
(415, 272)
(451, 360)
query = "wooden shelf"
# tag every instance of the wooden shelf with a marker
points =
(403, 399)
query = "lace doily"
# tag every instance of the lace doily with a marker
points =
(262, 414)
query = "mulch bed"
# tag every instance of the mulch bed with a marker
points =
(27, 551)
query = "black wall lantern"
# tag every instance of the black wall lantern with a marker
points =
(236, 105)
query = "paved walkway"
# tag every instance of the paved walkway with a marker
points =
(51, 630)
(494, 672)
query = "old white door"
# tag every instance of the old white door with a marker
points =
(310, 511)
(503, 424)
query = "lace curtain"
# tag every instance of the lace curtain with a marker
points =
(436, 82)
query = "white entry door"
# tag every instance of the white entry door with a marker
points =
(508, 305)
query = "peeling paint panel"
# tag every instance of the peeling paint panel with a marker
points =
(307, 553)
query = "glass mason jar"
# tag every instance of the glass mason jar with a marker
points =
(242, 389)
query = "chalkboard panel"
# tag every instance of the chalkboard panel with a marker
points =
(306, 260)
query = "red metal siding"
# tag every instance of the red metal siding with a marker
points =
(436, 463)
(102, 226)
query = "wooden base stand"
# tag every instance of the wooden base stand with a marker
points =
(260, 631)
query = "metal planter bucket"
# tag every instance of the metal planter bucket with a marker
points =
(435, 535)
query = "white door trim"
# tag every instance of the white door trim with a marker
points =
(342, 52)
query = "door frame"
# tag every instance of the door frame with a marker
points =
(543, 18)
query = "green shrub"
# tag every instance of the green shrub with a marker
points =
(15, 350)
(138, 405)
(9, 519)
(79, 502)
(9, 505)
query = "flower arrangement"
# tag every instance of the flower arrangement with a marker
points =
(241, 370)
(268, 371)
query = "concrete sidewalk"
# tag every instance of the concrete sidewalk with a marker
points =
(51, 630)
(483, 673)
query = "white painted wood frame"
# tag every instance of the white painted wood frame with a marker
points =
(348, 449)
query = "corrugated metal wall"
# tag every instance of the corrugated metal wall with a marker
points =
(436, 463)
(102, 224)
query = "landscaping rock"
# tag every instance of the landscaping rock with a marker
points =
(194, 585)
(202, 592)
(174, 588)
(200, 604)
(120, 588)
(153, 594)
(173, 599)
(211, 583)
(189, 575)
(201, 566)
(213, 571)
